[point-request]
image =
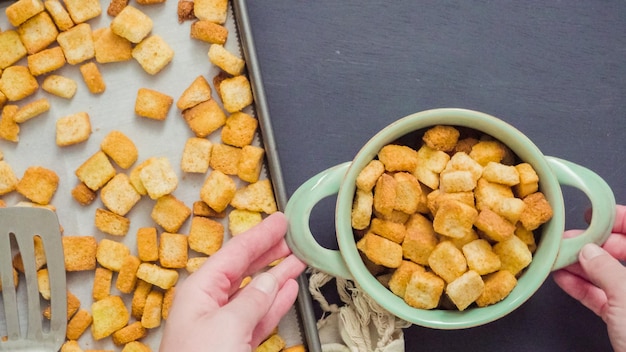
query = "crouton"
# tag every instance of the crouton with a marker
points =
(83, 10)
(239, 129)
(385, 194)
(147, 244)
(127, 277)
(116, 6)
(366, 179)
(170, 213)
(60, 86)
(102, 280)
(20, 11)
(168, 300)
(380, 250)
(408, 193)
(59, 14)
(225, 158)
(480, 257)
(398, 158)
(38, 184)
(258, 196)
(46, 61)
(8, 180)
(109, 315)
(152, 104)
(250, 163)
(11, 48)
(38, 32)
(156, 275)
(211, 10)
(205, 235)
(198, 91)
(78, 324)
(456, 181)
(401, 277)
(274, 343)
(464, 290)
(430, 163)
(454, 219)
(158, 177)
(173, 250)
(140, 295)
(224, 59)
(31, 110)
(9, 129)
(494, 226)
(424, 290)
(420, 239)
(488, 150)
(514, 255)
(236, 93)
(129, 333)
(209, 32)
(447, 261)
(111, 254)
(497, 287)
(196, 155)
(83, 195)
(153, 54)
(73, 129)
(537, 211)
(528, 180)
(362, 209)
(92, 77)
(462, 161)
(441, 137)
(136, 346)
(110, 47)
(111, 223)
(77, 43)
(389, 230)
(79, 252)
(204, 118)
(132, 24)
(120, 149)
(218, 190)
(17, 83)
(240, 220)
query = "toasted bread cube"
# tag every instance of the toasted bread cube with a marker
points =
(456, 181)
(218, 190)
(430, 163)
(59, 14)
(170, 213)
(8, 180)
(78, 324)
(158, 177)
(110, 47)
(390, 230)
(447, 261)
(129, 333)
(240, 220)
(116, 6)
(408, 193)
(185, 11)
(156, 275)
(236, 93)
(132, 24)
(83, 195)
(32, 109)
(152, 104)
(395, 216)
(398, 158)
(420, 239)
(385, 194)
(500, 173)
(209, 32)
(274, 343)
(60, 86)
(250, 163)
(153, 54)
(362, 209)
(488, 150)
(109, 315)
(435, 198)
(526, 236)
(79, 252)
(136, 346)
(480, 257)
(140, 295)
(239, 129)
(111, 254)
(43, 283)
(38, 32)
(102, 280)
(366, 179)
(441, 137)
(537, 211)
(488, 195)
(401, 277)
(92, 77)
(196, 155)
(73, 129)
(83, 10)
(46, 61)
(193, 264)
(224, 59)
(462, 161)
(225, 158)
(77, 43)
(127, 277)
(465, 289)
(96, 171)
(71, 346)
(514, 255)
(497, 287)
(38, 184)
(173, 250)
(529, 181)
(509, 208)
(211, 10)
(205, 235)
(380, 250)
(258, 196)
(454, 219)
(494, 226)
(73, 305)
(147, 244)
(198, 91)
(423, 290)
(11, 48)
(204, 118)
(135, 176)
(17, 83)
(20, 11)
(9, 129)
(120, 149)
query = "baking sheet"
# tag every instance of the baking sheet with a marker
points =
(114, 110)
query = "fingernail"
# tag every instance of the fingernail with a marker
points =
(591, 250)
(264, 282)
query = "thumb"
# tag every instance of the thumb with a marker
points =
(605, 272)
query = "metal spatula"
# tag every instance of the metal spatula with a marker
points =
(26, 329)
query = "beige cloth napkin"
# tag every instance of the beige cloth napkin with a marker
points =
(360, 324)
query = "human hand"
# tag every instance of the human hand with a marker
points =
(211, 313)
(598, 280)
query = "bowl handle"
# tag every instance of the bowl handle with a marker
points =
(298, 211)
(602, 203)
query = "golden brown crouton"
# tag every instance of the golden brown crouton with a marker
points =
(529, 181)
(441, 137)
(204, 118)
(464, 290)
(153, 54)
(83, 194)
(92, 77)
(120, 149)
(198, 92)
(250, 163)
(239, 129)
(83, 10)
(398, 158)
(139, 298)
(96, 171)
(208, 31)
(390, 230)
(236, 93)
(497, 287)
(205, 235)
(136, 346)
(454, 219)
(17, 83)
(38, 184)
(225, 158)
(71, 346)
(488, 150)
(156, 275)
(218, 190)
(447, 261)
(366, 179)
(127, 277)
(45, 61)
(362, 209)
(224, 59)
(430, 163)
(151, 317)
(129, 333)
(118, 195)
(494, 226)
(79, 252)
(38, 32)
(8, 180)
(59, 14)
(110, 47)
(11, 48)
(401, 277)
(514, 255)
(455, 181)
(380, 250)
(116, 6)
(423, 290)
(60, 86)
(240, 220)
(152, 104)
(9, 129)
(111, 254)
(109, 315)
(78, 324)
(102, 280)
(111, 223)
(132, 24)
(258, 196)
(20, 11)
(173, 250)
(480, 257)
(537, 211)
(31, 110)
(77, 43)
(147, 244)
(158, 177)
(211, 10)
(420, 239)
(168, 299)
(170, 213)
(73, 129)
(385, 194)
(408, 193)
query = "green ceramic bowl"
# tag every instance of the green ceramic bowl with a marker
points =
(553, 252)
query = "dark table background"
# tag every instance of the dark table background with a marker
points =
(336, 72)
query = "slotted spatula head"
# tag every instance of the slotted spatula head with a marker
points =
(26, 329)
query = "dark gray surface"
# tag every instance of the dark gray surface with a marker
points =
(336, 72)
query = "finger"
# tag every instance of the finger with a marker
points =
(280, 250)
(283, 302)
(620, 219)
(605, 272)
(616, 246)
(581, 290)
